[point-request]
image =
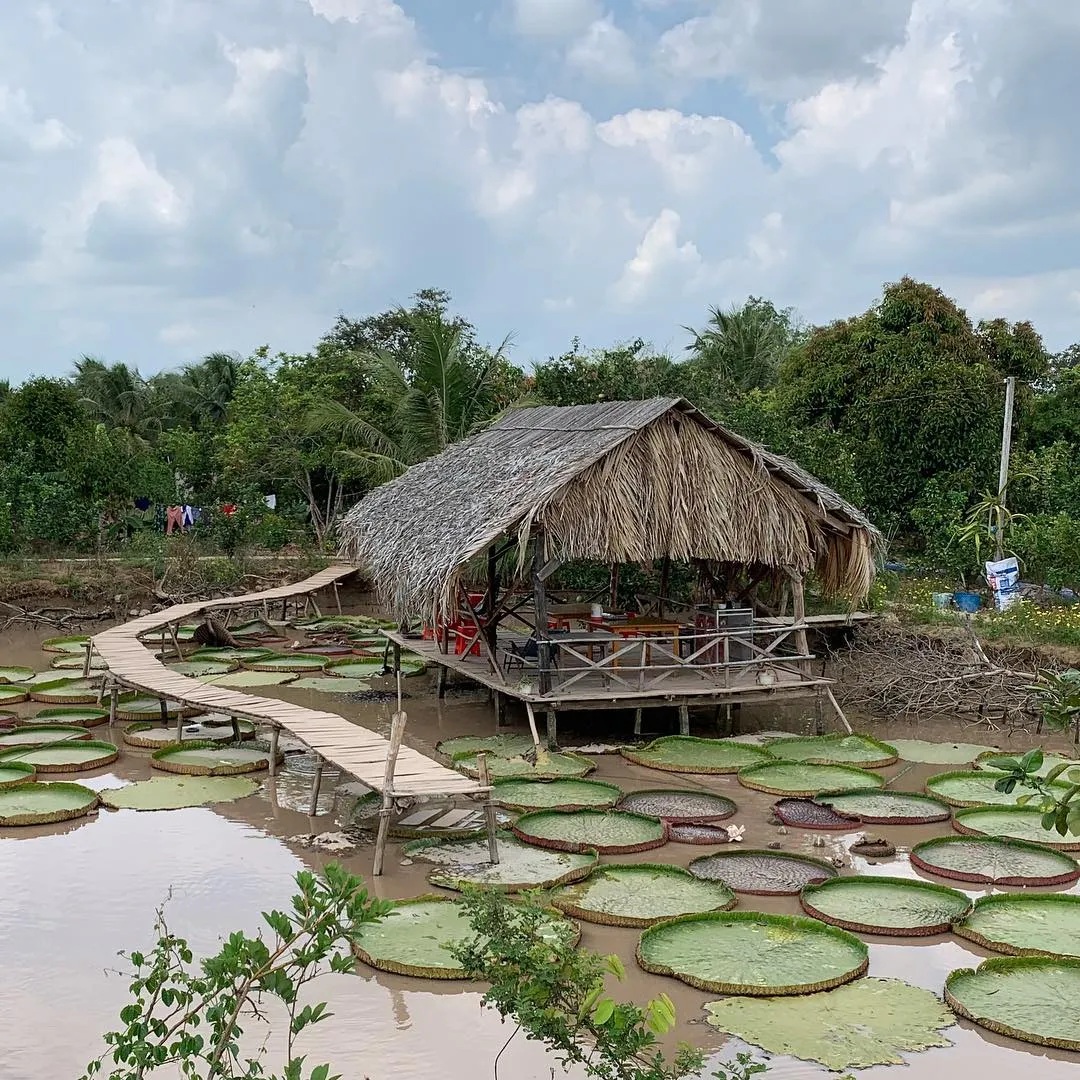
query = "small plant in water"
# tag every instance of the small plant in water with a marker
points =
(186, 1014)
(1060, 808)
(557, 995)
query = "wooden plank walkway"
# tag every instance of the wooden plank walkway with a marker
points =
(353, 749)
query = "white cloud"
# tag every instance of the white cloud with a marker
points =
(658, 253)
(603, 52)
(553, 18)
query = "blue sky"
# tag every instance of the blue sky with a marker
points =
(181, 176)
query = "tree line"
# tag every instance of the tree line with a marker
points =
(899, 408)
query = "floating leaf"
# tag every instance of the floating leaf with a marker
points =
(330, 685)
(1025, 924)
(686, 754)
(940, 753)
(43, 804)
(10, 674)
(15, 772)
(835, 749)
(762, 873)
(988, 860)
(978, 789)
(195, 669)
(245, 679)
(612, 832)
(868, 1022)
(12, 695)
(153, 737)
(885, 905)
(209, 759)
(78, 715)
(679, 807)
(546, 767)
(501, 745)
(808, 814)
(65, 644)
(40, 734)
(570, 794)
(802, 779)
(993, 762)
(877, 807)
(296, 662)
(65, 757)
(176, 792)
(1014, 822)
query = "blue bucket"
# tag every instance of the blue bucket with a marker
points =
(968, 602)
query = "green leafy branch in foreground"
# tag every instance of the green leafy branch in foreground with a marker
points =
(187, 1014)
(557, 995)
(1058, 693)
(1060, 808)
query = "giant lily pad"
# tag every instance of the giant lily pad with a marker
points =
(835, 749)
(1024, 997)
(1025, 924)
(808, 814)
(988, 860)
(546, 767)
(702, 835)
(195, 669)
(70, 691)
(296, 662)
(567, 794)
(747, 952)
(762, 873)
(12, 674)
(65, 644)
(1014, 823)
(687, 754)
(500, 745)
(641, 895)
(612, 832)
(12, 695)
(70, 662)
(678, 807)
(242, 680)
(78, 715)
(43, 804)
(65, 757)
(209, 759)
(415, 938)
(356, 668)
(520, 866)
(925, 752)
(145, 707)
(868, 1022)
(39, 734)
(150, 736)
(802, 779)
(13, 773)
(330, 685)
(177, 792)
(897, 907)
(231, 654)
(996, 761)
(977, 789)
(876, 807)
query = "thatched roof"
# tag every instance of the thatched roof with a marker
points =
(622, 481)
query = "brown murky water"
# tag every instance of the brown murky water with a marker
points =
(72, 896)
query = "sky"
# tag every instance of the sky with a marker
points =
(187, 176)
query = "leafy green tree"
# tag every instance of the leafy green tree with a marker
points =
(630, 372)
(119, 397)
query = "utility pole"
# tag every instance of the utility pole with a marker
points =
(1003, 471)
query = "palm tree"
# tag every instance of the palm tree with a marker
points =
(438, 393)
(210, 387)
(118, 397)
(743, 346)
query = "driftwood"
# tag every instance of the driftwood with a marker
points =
(61, 618)
(892, 672)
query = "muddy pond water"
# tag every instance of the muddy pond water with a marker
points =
(73, 895)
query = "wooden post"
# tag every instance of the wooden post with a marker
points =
(285, 610)
(1003, 469)
(236, 730)
(798, 612)
(637, 721)
(397, 731)
(316, 783)
(315, 605)
(819, 716)
(88, 648)
(665, 575)
(397, 660)
(337, 598)
(543, 664)
(684, 719)
(484, 776)
(440, 683)
(613, 587)
(552, 733)
(114, 695)
(175, 642)
(839, 712)
(532, 725)
(500, 708)
(275, 732)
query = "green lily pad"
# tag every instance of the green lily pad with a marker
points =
(748, 952)
(209, 759)
(65, 644)
(995, 762)
(65, 757)
(331, 685)
(1013, 822)
(12, 695)
(877, 807)
(231, 654)
(568, 794)
(177, 792)
(40, 734)
(939, 753)
(194, 669)
(810, 814)
(151, 736)
(43, 804)
(678, 807)
(641, 895)
(868, 1022)
(254, 628)
(988, 860)
(762, 873)
(78, 715)
(977, 789)
(355, 668)
(500, 745)
(687, 754)
(70, 662)
(12, 674)
(246, 679)
(898, 907)
(1025, 924)
(549, 767)
(1021, 996)
(610, 832)
(296, 662)
(73, 691)
(13, 773)
(835, 749)
(414, 938)
(143, 707)
(520, 866)
(802, 779)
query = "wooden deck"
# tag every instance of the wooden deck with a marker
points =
(352, 749)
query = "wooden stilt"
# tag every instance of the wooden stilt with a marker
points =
(114, 695)
(337, 598)
(552, 733)
(275, 732)
(684, 719)
(532, 726)
(175, 642)
(285, 610)
(500, 708)
(484, 776)
(798, 613)
(397, 731)
(315, 605)
(440, 682)
(316, 783)
(236, 730)
(637, 721)
(839, 712)
(88, 648)
(819, 716)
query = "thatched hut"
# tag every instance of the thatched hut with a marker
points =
(621, 482)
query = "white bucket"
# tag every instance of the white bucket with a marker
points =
(597, 610)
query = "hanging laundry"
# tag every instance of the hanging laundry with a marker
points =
(271, 501)
(187, 517)
(174, 515)
(142, 504)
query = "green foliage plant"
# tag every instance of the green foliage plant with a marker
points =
(1060, 809)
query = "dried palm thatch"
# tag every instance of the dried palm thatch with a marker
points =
(626, 481)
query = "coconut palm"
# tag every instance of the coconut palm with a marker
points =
(210, 386)
(743, 346)
(118, 397)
